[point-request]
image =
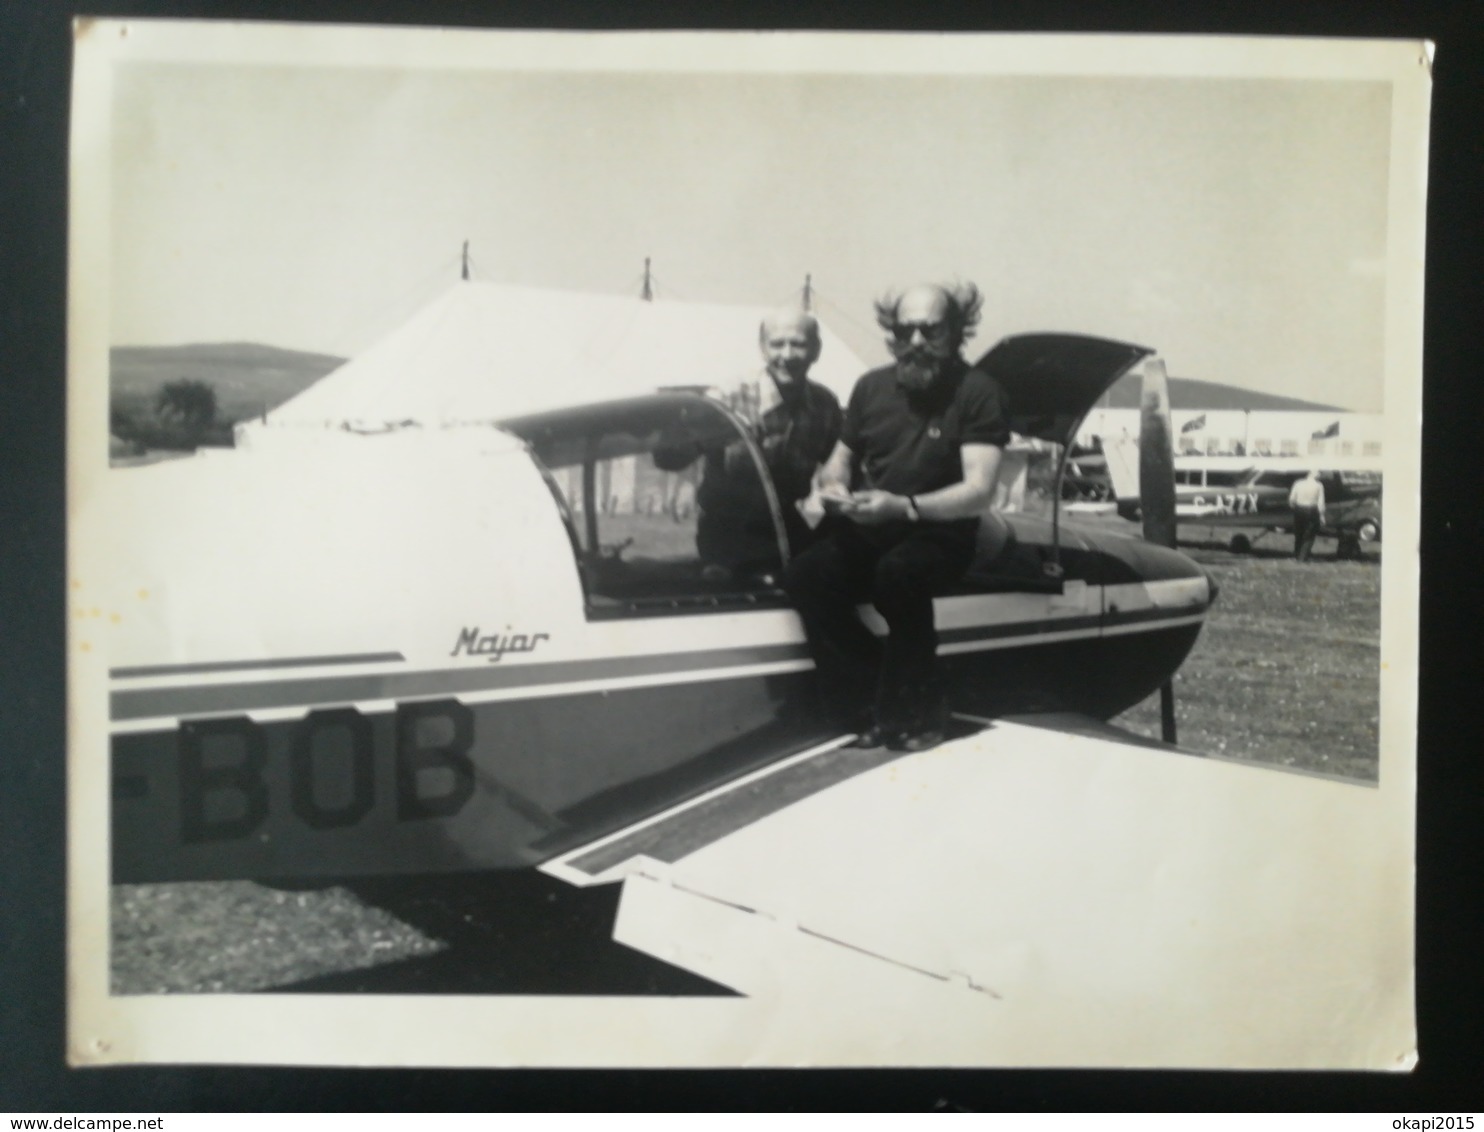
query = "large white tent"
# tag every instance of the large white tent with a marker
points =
(483, 351)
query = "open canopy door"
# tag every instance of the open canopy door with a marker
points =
(1053, 381)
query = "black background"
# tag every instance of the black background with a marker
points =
(35, 45)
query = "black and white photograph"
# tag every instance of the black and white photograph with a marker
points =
(742, 549)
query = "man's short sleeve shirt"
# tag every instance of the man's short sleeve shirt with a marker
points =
(796, 433)
(909, 443)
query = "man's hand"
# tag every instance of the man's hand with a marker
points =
(874, 507)
(833, 500)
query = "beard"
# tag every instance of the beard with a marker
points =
(918, 369)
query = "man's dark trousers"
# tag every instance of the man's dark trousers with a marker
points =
(1305, 529)
(897, 568)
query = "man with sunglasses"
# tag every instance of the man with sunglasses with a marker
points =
(915, 466)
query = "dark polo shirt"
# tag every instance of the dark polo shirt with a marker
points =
(909, 443)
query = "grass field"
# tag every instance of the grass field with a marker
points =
(1287, 669)
(1285, 672)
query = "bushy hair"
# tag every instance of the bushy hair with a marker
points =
(965, 304)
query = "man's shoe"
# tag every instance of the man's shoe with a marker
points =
(869, 738)
(917, 741)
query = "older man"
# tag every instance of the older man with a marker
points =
(795, 422)
(915, 465)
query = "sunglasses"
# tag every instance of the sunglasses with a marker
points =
(903, 331)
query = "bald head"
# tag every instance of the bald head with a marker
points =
(789, 340)
(925, 303)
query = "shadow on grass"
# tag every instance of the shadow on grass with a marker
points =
(514, 932)
(1324, 551)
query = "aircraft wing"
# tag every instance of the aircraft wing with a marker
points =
(1031, 895)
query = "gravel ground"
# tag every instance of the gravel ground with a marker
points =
(240, 936)
(1286, 671)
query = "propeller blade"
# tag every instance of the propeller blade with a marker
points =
(1156, 456)
(1157, 491)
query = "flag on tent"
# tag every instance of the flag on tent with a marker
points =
(1333, 429)
(1194, 423)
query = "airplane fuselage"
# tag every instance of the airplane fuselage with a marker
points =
(511, 652)
(1258, 499)
(338, 765)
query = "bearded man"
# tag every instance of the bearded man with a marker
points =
(915, 466)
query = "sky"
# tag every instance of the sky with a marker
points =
(1236, 225)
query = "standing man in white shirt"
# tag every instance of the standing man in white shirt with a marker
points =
(1306, 498)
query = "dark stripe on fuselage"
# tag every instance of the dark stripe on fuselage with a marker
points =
(252, 665)
(1016, 629)
(1116, 617)
(152, 703)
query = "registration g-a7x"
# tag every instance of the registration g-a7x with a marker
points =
(495, 647)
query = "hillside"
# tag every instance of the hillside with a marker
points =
(1192, 393)
(248, 379)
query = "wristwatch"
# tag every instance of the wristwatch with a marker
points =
(913, 514)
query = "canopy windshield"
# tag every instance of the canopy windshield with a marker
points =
(631, 478)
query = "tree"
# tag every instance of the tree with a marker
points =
(188, 407)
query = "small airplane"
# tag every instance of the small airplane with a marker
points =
(1251, 493)
(507, 647)
(497, 648)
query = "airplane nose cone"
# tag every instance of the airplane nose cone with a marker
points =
(1126, 559)
(1211, 581)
